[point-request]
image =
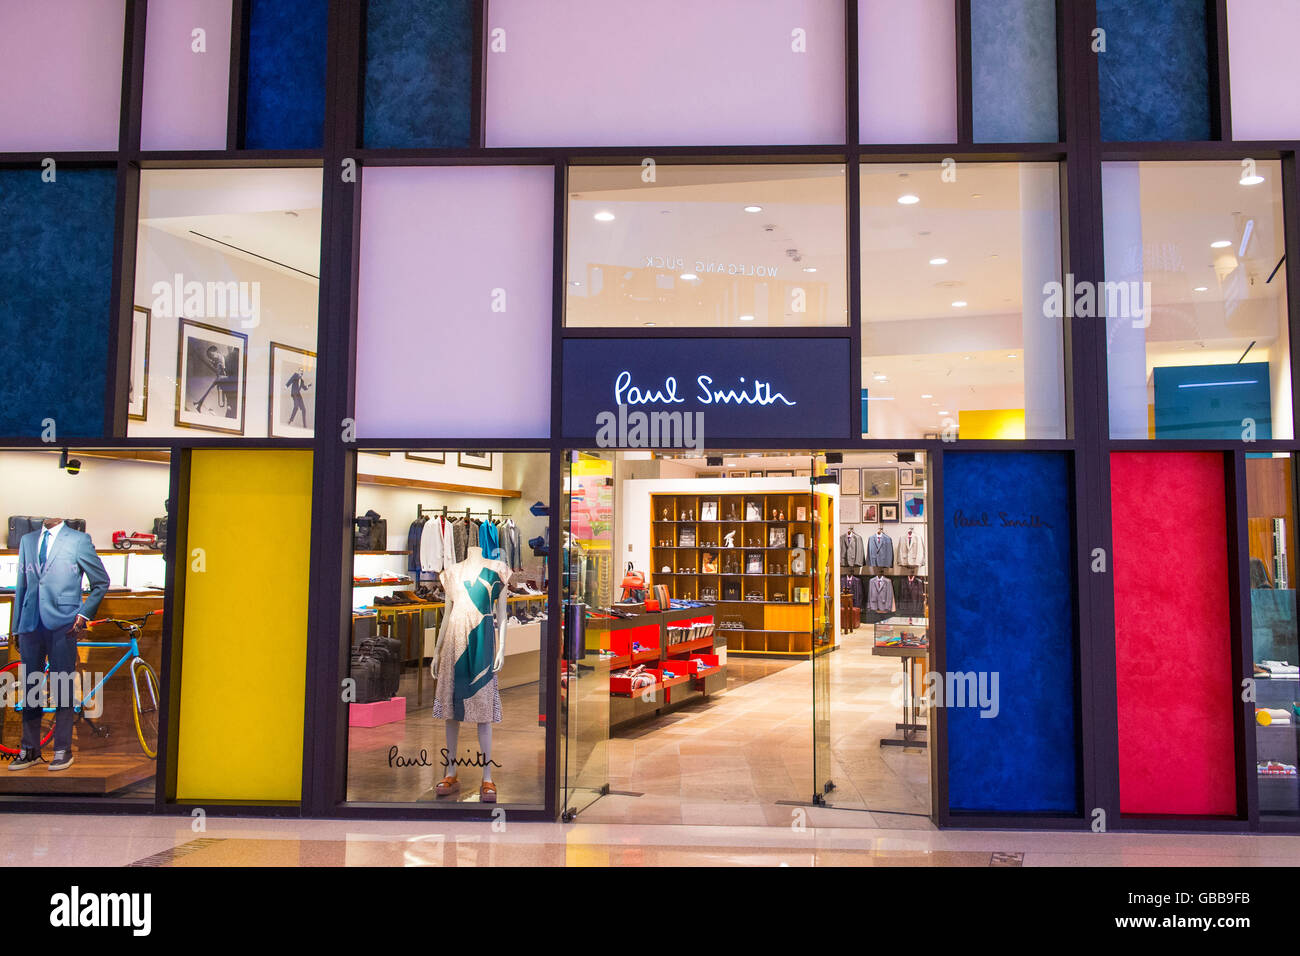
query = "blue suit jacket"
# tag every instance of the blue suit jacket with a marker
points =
(52, 596)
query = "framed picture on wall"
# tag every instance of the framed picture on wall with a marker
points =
(850, 481)
(906, 477)
(880, 484)
(428, 457)
(914, 505)
(737, 474)
(292, 408)
(803, 473)
(476, 459)
(211, 378)
(850, 509)
(889, 512)
(756, 474)
(137, 384)
(870, 512)
(780, 474)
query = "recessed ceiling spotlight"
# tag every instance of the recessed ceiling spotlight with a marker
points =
(688, 276)
(1201, 288)
(604, 216)
(908, 199)
(959, 304)
(1254, 180)
(927, 396)
(939, 261)
(809, 268)
(1221, 244)
(1012, 355)
(753, 208)
(881, 378)
(746, 318)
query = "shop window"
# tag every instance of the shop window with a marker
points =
(245, 614)
(61, 72)
(223, 337)
(285, 91)
(1261, 44)
(454, 324)
(1173, 636)
(1196, 301)
(593, 73)
(960, 338)
(1271, 531)
(419, 66)
(1018, 751)
(105, 560)
(907, 71)
(706, 246)
(186, 74)
(56, 268)
(1013, 71)
(449, 569)
(1154, 73)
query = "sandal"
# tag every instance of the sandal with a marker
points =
(447, 786)
(487, 792)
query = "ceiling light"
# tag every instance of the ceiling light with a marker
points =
(881, 378)
(944, 411)
(1201, 288)
(604, 216)
(747, 318)
(809, 269)
(1246, 233)
(753, 209)
(908, 199)
(1012, 355)
(688, 276)
(1221, 244)
(1254, 180)
(648, 325)
(927, 396)
(939, 261)
(959, 304)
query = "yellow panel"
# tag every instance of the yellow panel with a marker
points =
(244, 654)
(1005, 423)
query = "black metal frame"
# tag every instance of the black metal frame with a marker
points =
(1079, 153)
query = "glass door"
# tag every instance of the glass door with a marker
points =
(823, 593)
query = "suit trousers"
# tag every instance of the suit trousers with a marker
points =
(61, 650)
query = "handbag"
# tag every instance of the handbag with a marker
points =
(633, 585)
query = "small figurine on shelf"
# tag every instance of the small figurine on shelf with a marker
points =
(729, 539)
(773, 514)
(666, 518)
(781, 517)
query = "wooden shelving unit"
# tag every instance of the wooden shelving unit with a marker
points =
(752, 582)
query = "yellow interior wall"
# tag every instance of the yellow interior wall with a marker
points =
(244, 652)
(1004, 423)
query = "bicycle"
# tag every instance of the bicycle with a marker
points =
(146, 700)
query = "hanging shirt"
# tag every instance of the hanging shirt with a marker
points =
(433, 557)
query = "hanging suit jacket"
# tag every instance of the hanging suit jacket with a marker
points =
(912, 602)
(880, 595)
(460, 539)
(911, 550)
(852, 551)
(414, 545)
(434, 545)
(49, 595)
(880, 551)
(510, 546)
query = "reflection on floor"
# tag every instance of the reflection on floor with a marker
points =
(742, 758)
(376, 775)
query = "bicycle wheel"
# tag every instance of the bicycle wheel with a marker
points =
(146, 702)
(11, 721)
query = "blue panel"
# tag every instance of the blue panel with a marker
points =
(56, 270)
(285, 98)
(1154, 74)
(1013, 71)
(786, 392)
(419, 66)
(1212, 401)
(1009, 600)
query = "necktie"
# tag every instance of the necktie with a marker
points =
(45, 539)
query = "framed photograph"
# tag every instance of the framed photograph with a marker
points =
(137, 382)
(737, 474)
(708, 511)
(870, 512)
(850, 509)
(906, 477)
(476, 459)
(753, 510)
(776, 537)
(292, 409)
(429, 457)
(850, 481)
(780, 474)
(880, 484)
(211, 378)
(803, 473)
(801, 513)
(753, 562)
(913, 505)
(756, 474)
(889, 512)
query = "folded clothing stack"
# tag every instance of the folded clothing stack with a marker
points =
(1267, 716)
(1278, 669)
(1275, 768)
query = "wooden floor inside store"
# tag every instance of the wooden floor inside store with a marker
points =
(95, 773)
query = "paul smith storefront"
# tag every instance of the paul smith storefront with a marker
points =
(933, 386)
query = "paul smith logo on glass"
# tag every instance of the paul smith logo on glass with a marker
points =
(750, 393)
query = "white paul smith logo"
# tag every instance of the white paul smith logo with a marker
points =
(751, 393)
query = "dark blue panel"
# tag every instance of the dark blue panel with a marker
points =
(1009, 605)
(1212, 401)
(56, 270)
(285, 99)
(1013, 71)
(1154, 74)
(787, 392)
(419, 66)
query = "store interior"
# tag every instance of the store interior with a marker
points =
(788, 624)
(119, 498)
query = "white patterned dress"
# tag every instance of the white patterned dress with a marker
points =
(467, 687)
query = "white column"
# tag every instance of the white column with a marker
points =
(1040, 263)
(1126, 346)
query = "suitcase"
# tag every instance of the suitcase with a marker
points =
(364, 670)
(20, 525)
(386, 651)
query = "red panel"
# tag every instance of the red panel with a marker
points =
(1172, 634)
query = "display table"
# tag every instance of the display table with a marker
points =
(906, 638)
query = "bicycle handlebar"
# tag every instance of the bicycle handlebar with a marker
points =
(126, 624)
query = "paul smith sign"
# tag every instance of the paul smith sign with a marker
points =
(745, 388)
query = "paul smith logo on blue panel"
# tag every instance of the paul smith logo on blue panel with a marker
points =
(756, 392)
(1003, 519)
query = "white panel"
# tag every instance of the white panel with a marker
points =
(672, 72)
(60, 73)
(454, 317)
(907, 71)
(186, 90)
(1262, 37)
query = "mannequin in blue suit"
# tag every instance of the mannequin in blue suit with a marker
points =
(49, 615)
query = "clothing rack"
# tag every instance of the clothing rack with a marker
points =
(442, 510)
